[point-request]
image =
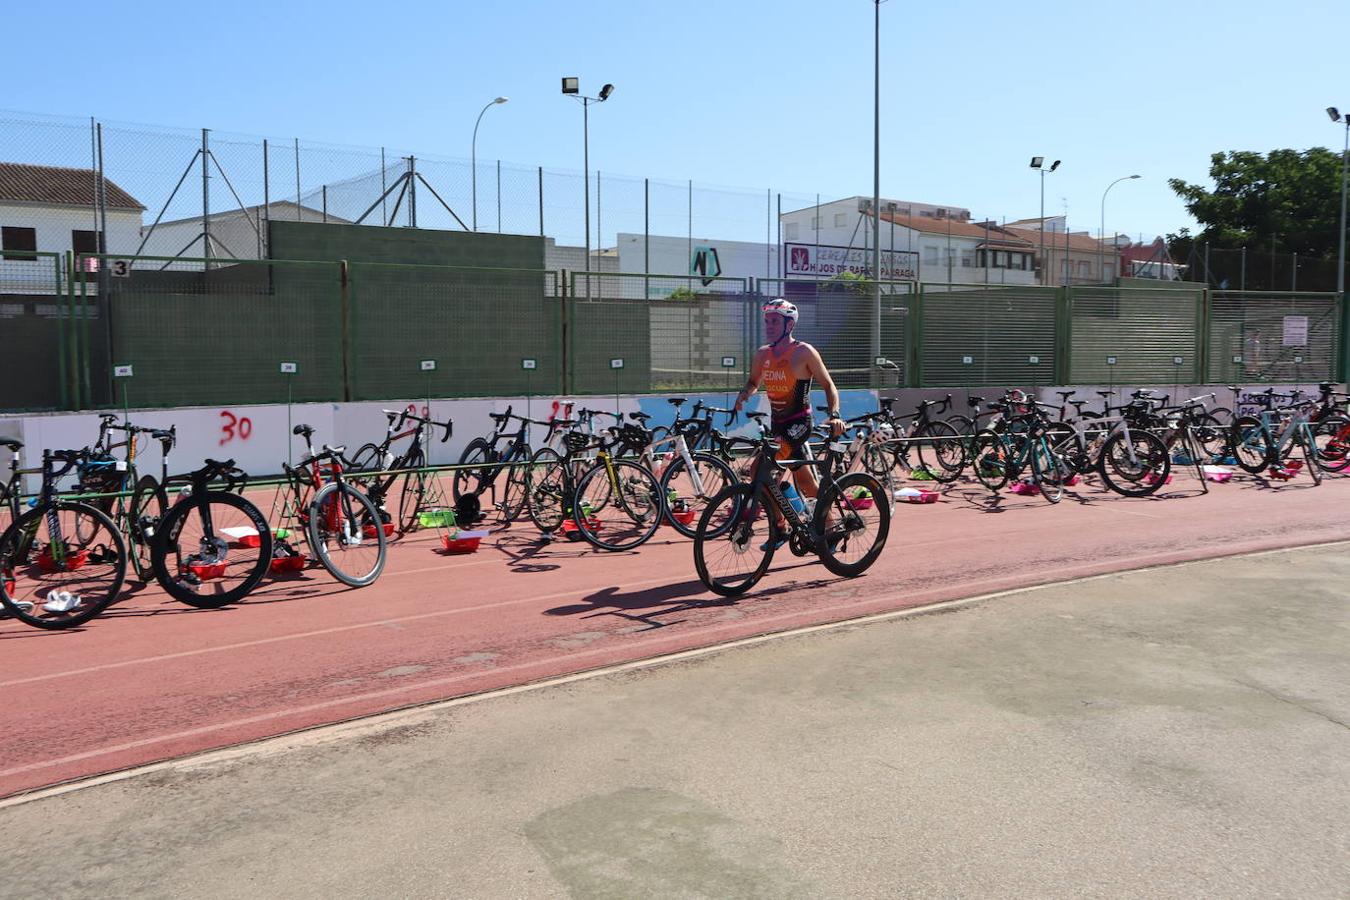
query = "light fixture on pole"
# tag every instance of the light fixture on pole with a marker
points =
(1101, 234)
(473, 155)
(1335, 116)
(1038, 163)
(572, 87)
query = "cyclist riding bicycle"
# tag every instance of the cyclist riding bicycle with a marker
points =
(785, 368)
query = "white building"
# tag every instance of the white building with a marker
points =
(841, 222)
(708, 264)
(235, 233)
(52, 209)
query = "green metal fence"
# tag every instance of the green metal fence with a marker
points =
(37, 330)
(1262, 336)
(1135, 335)
(988, 335)
(197, 333)
(452, 332)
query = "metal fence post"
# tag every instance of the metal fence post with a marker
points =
(1344, 338)
(1064, 336)
(568, 377)
(914, 349)
(345, 345)
(1202, 317)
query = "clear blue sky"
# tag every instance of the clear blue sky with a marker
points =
(751, 95)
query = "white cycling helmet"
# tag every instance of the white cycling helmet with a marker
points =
(781, 307)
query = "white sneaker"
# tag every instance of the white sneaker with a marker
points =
(61, 602)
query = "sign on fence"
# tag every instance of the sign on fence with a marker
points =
(1296, 331)
(820, 261)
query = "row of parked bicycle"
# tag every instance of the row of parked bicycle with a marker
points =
(607, 479)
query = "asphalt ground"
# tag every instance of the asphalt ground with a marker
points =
(1174, 732)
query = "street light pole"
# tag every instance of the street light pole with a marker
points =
(1345, 161)
(572, 86)
(473, 156)
(876, 184)
(1101, 234)
(1037, 163)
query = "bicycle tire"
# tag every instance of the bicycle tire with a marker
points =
(210, 592)
(716, 469)
(1332, 436)
(736, 525)
(353, 511)
(148, 505)
(1211, 436)
(1135, 471)
(544, 485)
(413, 494)
(1307, 440)
(513, 498)
(989, 459)
(1048, 470)
(944, 446)
(836, 497)
(1250, 444)
(471, 480)
(25, 580)
(638, 499)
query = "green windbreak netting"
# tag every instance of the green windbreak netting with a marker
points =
(446, 332)
(198, 333)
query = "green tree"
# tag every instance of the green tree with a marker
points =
(1287, 201)
(853, 282)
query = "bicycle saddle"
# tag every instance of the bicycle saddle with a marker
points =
(301, 429)
(12, 444)
(639, 417)
(675, 401)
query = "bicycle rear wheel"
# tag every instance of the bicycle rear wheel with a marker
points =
(989, 459)
(735, 541)
(471, 480)
(413, 496)
(1048, 470)
(1134, 464)
(52, 579)
(853, 517)
(211, 549)
(1332, 437)
(632, 507)
(337, 516)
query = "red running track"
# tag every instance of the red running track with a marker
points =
(152, 679)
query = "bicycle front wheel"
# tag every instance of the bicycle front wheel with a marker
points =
(148, 503)
(735, 541)
(1332, 438)
(989, 459)
(1250, 444)
(686, 492)
(337, 534)
(211, 549)
(631, 508)
(412, 500)
(544, 487)
(61, 564)
(853, 518)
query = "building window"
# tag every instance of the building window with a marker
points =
(967, 259)
(815, 223)
(1084, 269)
(790, 231)
(840, 220)
(930, 254)
(981, 259)
(14, 240)
(84, 241)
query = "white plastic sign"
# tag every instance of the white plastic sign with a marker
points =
(289, 368)
(1033, 360)
(1110, 360)
(1177, 360)
(121, 371)
(529, 364)
(428, 365)
(1238, 359)
(616, 363)
(119, 268)
(1298, 359)
(728, 362)
(967, 360)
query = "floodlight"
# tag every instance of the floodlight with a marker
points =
(605, 92)
(1334, 113)
(1054, 165)
(1036, 161)
(571, 85)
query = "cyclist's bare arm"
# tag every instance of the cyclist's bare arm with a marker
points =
(756, 376)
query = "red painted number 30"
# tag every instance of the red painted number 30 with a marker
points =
(233, 427)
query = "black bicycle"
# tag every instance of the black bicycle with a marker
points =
(61, 562)
(745, 524)
(387, 467)
(213, 546)
(483, 462)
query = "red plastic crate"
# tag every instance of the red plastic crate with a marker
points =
(74, 561)
(206, 571)
(289, 563)
(369, 530)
